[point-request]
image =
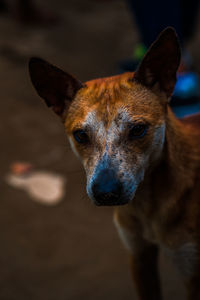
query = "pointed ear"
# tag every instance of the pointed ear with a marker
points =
(56, 87)
(159, 66)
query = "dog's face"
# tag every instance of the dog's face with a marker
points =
(117, 128)
(116, 125)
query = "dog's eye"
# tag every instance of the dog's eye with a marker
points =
(137, 131)
(81, 136)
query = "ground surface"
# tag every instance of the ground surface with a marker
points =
(70, 251)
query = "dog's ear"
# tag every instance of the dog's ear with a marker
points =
(56, 87)
(159, 66)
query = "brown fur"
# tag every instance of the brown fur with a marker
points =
(167, 214)
(159, 172)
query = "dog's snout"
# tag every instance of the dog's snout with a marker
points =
(107, 189)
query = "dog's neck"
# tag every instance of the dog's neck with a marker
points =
(181, 153)
(175, 172)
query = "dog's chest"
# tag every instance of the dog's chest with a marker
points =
(177, 245)
(185, 258)
(181, 251)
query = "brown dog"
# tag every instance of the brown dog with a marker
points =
(136, 152)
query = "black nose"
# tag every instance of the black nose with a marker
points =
(106, 189)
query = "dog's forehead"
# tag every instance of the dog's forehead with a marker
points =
(107, 125)
(118, 99)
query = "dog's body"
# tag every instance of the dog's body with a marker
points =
(166, 211)
(136, 152)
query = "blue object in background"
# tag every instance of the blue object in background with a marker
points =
(186, 90)
(187, 85)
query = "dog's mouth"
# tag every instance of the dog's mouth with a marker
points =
(110, 199)
(110, 202)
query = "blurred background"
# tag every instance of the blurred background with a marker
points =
(66, 248)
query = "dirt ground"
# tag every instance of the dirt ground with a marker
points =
(71, 250)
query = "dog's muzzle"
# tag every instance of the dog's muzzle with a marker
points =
(107, 189)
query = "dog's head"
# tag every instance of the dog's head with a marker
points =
(116, 125)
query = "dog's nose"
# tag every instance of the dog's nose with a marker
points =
(107, 189)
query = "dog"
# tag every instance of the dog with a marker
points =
(138, 157)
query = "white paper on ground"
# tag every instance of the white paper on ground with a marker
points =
(43, 187)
